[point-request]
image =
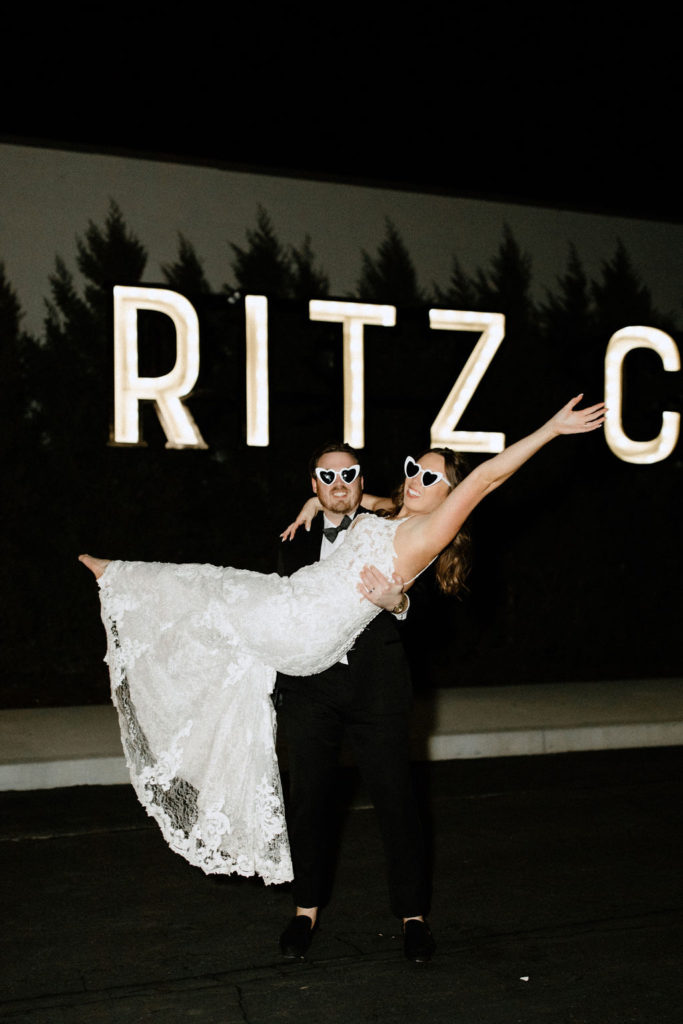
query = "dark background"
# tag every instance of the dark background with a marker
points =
(578, 561)
(556, 107)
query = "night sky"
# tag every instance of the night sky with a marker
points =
(544, 108)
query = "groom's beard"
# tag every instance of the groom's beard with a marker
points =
(341, 503)
(345, 506)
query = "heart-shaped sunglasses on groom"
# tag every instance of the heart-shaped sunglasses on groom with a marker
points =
(348, 474)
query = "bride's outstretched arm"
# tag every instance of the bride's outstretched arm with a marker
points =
(422, 537)
(569, 420)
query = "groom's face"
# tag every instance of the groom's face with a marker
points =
(338, 498)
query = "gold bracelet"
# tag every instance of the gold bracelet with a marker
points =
(401, 606)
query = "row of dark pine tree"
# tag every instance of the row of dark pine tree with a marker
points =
(71, 491)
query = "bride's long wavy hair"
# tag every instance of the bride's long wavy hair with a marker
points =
(454, 562)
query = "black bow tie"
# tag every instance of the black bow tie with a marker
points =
(330, 532)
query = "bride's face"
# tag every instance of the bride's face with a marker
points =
(419, 497)
(339, 497)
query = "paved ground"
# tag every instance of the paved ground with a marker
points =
(558, 899)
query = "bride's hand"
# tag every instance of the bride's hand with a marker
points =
(570, 420)
(305, 518)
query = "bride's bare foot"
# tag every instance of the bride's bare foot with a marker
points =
(96, 565)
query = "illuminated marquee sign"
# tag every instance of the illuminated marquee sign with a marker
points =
(167, 391)
(620, 344)
(492, 329)
(354, 316)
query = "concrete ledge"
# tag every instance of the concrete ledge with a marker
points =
(46, 748)
(94, 771)
(506, 721)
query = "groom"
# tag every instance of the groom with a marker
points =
(367, 698)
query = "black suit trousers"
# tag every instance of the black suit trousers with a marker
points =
(315, 724)
(368, 703)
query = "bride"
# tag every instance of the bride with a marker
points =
(193, 651)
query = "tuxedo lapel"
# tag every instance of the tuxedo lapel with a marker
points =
(303, 550)
(311, 541)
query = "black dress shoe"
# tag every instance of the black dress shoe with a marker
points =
(297, 937)
(418, 942)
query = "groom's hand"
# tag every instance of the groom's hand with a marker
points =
(384, 593)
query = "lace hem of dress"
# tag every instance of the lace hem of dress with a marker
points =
(206, 835)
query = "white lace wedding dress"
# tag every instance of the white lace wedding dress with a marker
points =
(192, 652)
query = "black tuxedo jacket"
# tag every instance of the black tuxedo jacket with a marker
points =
(377, 678)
